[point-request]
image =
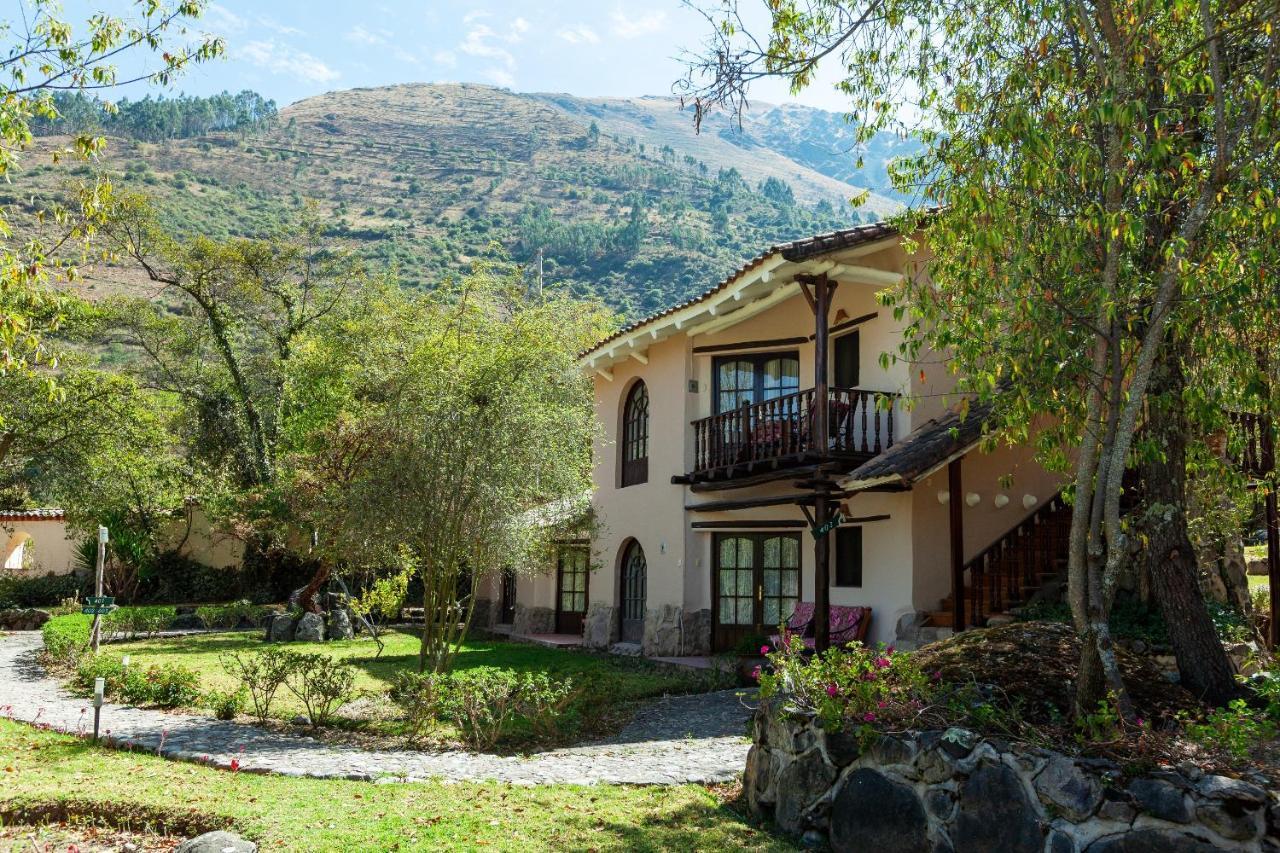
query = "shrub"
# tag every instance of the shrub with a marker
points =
(231, 615)
(260, 673)
(544, 703)
(137, 621)
(167, 685)
(321, 683)
(419, 695)
(37, 591)
(225, 704)
(1235, 728)
(480, 701)
(92, 667)
(65, 639)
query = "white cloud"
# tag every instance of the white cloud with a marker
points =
(277, 27)
(223, 20)
(483, 40)
(474, 15)
(283, 59)
(402, 55)
(643, 24)
(500, 77)
(359, 34)
(447, 58)
(581, 34)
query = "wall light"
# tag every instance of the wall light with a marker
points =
(944, 497)
(1001, 501)
(1028, 501)
(972, 498)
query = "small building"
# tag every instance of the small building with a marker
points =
(37, 542)
(758, 452)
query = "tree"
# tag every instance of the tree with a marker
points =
(437, 422)
(1105, 173)
(242, 307)
(47, 55)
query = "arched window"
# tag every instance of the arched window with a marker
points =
(633, 590)
(635, 436)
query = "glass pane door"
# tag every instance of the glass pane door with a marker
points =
(736, 581)
(780, 577)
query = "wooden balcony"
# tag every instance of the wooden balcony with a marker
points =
(778, 433)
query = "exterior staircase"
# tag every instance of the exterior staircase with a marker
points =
(1012, 571)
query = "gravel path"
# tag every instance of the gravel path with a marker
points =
(679, 739)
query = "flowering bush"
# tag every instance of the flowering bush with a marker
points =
(856, 685)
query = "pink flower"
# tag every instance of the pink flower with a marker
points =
(755, 673)
(937, 675)
(868, 676)
(882, 663)
(832, 690)
(882, 704)
(1141, 722)
(764, 650)
(889, 650)
(235, 765)
(868, 717)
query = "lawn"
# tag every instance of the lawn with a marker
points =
(53, 775)
(611, 685)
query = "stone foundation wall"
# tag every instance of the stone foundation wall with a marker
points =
(670, 631)
(533, 620)
(600, 629)
(485, 614)
(954, 791)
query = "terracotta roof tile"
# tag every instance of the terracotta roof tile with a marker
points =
(41, 514)
(920, 453)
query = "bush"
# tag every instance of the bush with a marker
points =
(225, 704)
(170, 685)
(544, 703)
(165, 685)
(42, 591)
(227, 616)
(321, 683)
(137, 621)
(110, 669)
(480, 701)
(260, 674)
(418, 695)
(65, 639)
(1236, 728)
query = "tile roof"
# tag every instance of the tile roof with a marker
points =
(41, 514)
(921, 453)
(795, 250)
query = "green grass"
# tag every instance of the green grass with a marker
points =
(1257, 582)
(57, 776)
(611, 684)
(1255, 552)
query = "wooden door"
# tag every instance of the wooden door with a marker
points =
(571, 590)
(507, 614)
(633, 593)
(755, 584)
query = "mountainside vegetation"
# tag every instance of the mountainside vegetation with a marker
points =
(423, 180)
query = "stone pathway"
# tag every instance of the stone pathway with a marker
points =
(679, 739)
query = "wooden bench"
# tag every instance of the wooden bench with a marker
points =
(846, 624)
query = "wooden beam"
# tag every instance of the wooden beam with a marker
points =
(856, 321)
(865, 519)
(821, 576)
(746, 345)
(866, 275)
(748, 524)
(749, 503)
(746, 312)
(640, 357)
(955, 499)
(607, 374)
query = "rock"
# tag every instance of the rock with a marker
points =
(940, 802)
(219, 841)
(1062, 784)
(786, 733)
(697, 631)
(1226, 788)
(800, 784)
(281, 628)
(1060, 842)
(301, 720)
(533, 620)
(339, 625)
(759, 780)
(600, 626)
(310, 629)
(996, 814)
(1118, 809)
(662, 634)
(1231, 819)
(1150, 841)
(841, 747)
(813, 838)
(872, 812)
(1161, 799)
(893, 750)
(187, 622)
(25, 619)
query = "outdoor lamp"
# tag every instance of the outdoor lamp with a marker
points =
(944, 496)
(1001, 501)
(99, 688)
(972, 499)
(1028, 501)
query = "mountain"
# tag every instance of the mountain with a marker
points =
(627, 202)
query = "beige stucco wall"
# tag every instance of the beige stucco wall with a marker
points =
(41, 546)
(981, 472)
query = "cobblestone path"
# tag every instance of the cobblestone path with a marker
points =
(699, 738)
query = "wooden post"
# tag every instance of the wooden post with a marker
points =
(955, 500)
(97, 586)
(821, 575)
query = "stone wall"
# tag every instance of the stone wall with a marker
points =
(955, 791)
(533, 620)
(600, 629)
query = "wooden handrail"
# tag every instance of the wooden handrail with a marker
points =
(991, 581)
(782, 427)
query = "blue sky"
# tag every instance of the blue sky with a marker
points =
(291, 49)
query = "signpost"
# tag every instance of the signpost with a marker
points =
(99, 690)
(826, 527)
(98, 601)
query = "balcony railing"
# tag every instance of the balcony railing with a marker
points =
(860, 423)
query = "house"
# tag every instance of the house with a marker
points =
(739, 424)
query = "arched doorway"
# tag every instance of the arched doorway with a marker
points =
(15, 551)
(633, 589)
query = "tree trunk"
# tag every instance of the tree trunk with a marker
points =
(1203, 664)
